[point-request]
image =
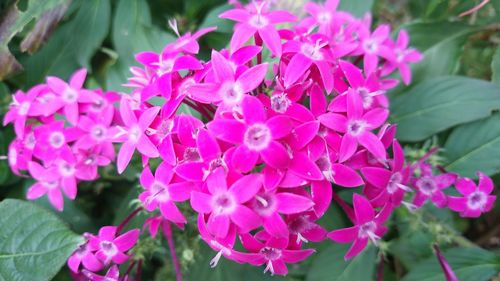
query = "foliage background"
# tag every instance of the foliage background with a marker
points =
(446, 105)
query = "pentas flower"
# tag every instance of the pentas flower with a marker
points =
(372, 46)
(96, 130)
(22, 106)
(226, 205)
(162, 193)
(273, 253)
(223, 246)
(402, 56)
(52, 140)
(255, 136)
(133, 134)
(304, 229)
(113, 274)
(211, 159)
(324, 15)
(84, 256)
(431, 187)
(49, 182)
(306, 54)
(71, 94)
(391, 185)
(357, 127)
(166, 65)
(269, 204)
(368, 226)
(255, 19)
(476, 198)
(110, 247)
(229, 90)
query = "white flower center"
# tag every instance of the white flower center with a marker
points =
(231, 93)
(98, 132)
(370, 46)
(477, 200)
(70, 95)
(109, 248)
(426, 185)
(57, 139)
(23, 108)
(257, 137)
(223, 203)
(159, 192)
(280, 103)
(356, 127)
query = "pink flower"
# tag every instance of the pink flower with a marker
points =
(445, 265)
(431, 187)
(222, 245)
(226, 205)
(476, 200)
(356, 127)
(83, 255)
(161, 192)
(229, 90)
(390, 185)
(97, 130)
(109, 247)
(254, 19)
(306, 54)
(255, 136)
(273, 254)
(52, 140)
(48, 183)
(372, 46)
(402, 56)
(165, 65)
(367, 226)
(71, 94)
(270, 204)
(22, 106)
(113, 274)
(134, 132)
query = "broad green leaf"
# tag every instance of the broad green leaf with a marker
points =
(438, 104)
(212, 19)
(132, 32)
(469, 264)
(13, 21)
(495, 67)
(474, 147)
(73, 44)
(35, 244)
(330, 265)
(441, 43)
(356, 7)
(411, 248)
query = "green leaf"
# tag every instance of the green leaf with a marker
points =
(73, 44)
(212, 19)
(495, 67)
(438, 104)
(35, 244)
(133, 32)
(356, 7)
(48, 13)
(474, 147)
(330, 265)
(469, 264)
(441, 43)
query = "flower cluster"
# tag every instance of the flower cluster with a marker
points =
(292, 113)
(63, 134)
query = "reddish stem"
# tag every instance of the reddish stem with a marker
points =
(194, 106)
(167, 232)
(130, 267)
(139, 271)
(474, 9)
(258, 42)
(380, 269)
(347, 209)
(127, 220)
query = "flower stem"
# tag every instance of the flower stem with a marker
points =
(380, 268)
(167, 232)
(138, 272)
(347, 209)
(127, 220)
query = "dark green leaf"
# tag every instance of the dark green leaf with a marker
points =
(48, 12)
(34, 243)
(212, 19)
(438, 104)
(495, 67)
(469, 264)
(73, 45)
(330, 265)
(356, 7)
(474, 147)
